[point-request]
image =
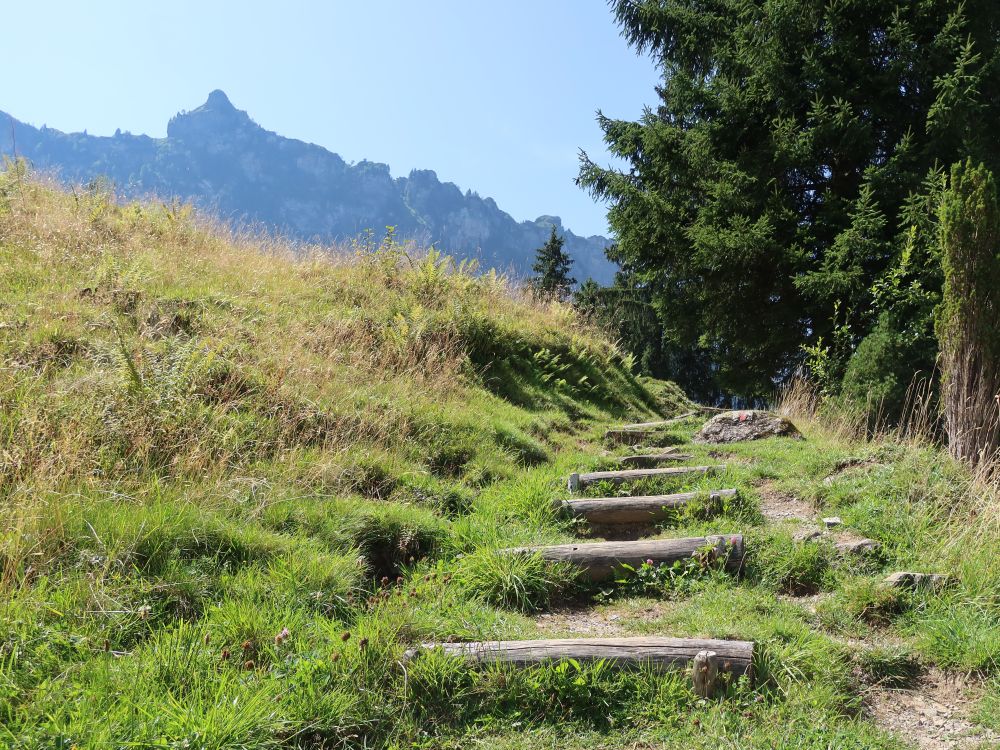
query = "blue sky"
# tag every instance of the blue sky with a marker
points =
(494, 96)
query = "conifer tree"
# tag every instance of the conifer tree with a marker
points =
(551, 268)
(763, 194)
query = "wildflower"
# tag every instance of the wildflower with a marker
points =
(225, 654)
(345, 636)
(335, 657)
(207, 638)
(399, 580)
(385, 580)
(281, 637)
(363, 644)
(649, 561)
(248, 664)
(144, 611)
(247, 645)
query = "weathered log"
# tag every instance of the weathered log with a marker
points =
(916, 581)
(704, 673)
(600, 561)
(648, 426)
(640, 509)
(626, 437)
(651, 460)
(662, 654)
(576, 481)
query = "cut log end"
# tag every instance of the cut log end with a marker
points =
(705, 673)
(574, 483)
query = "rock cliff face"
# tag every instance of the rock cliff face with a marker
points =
(220, 159)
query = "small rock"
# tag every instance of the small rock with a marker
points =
(808, 536)
(859, 547)
(908, 580)
(832, 522)
(735, 426)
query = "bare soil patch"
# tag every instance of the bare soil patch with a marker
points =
(934, 714)
(600, 621)
(777, 506)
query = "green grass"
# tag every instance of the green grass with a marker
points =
(238, 485)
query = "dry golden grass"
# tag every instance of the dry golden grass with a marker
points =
(143, 341)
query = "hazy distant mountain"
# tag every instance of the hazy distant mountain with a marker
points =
(219, 158)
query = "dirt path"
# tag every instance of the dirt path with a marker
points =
(777, 506)
(931, 714)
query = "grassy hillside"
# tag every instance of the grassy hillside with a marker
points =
(237, 485)
(204, 440)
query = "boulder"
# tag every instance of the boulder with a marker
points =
(736, 426)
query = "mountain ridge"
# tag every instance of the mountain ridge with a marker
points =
(219, 158)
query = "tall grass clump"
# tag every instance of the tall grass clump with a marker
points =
(968, 324)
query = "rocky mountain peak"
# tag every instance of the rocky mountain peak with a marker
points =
(216, 116)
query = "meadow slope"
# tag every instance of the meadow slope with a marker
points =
(238, 482)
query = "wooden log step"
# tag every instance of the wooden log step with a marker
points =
(650, 460)
(576, 481)
(663, 654)
(640, 509)
(600, 561)
(648, 426)
(625, 437)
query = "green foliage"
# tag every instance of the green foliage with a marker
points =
(628, 309)
(679, 578)
(551, 268)
(788, 145)
(882, 369)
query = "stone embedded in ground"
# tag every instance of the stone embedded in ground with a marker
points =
(737, 426)
(907, 580)
(832, 522)
(858, 547)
